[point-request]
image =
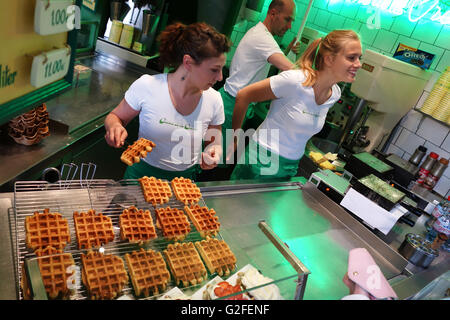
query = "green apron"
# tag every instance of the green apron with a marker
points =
(256, 163)
(142, 168)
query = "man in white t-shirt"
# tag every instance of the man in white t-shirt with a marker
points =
(256, 52)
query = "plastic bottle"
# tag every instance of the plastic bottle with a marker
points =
(426, 166)
(418, 155)
(435, 173)
(438, 211)
(441, 229)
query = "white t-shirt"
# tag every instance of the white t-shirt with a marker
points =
(178, 138)
(249, 64)
(294, 115)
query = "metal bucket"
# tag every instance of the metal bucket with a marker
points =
(417, 251)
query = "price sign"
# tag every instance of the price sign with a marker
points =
(50, 66)
(53, 16)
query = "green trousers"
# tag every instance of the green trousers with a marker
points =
(259, 163)
(142, 168)
(228, 105)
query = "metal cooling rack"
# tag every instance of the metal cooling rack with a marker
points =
(106, 196)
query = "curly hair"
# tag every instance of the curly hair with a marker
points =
(199, 40)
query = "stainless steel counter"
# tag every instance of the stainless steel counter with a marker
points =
(317, 230)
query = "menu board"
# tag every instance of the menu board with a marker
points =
(20, 27)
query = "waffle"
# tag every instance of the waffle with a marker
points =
(204, 219)
(46, 229)
(56, 269)
(173, 222)
(185, 263)
(136, 151)
(93, 230)
(136, 225)
(185, 190)
(31, 127)
(217, 256)
(148, 272)
(103, 275)
(156, 191)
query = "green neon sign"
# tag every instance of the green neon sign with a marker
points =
(434, 10)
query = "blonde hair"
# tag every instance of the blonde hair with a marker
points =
(313, 57)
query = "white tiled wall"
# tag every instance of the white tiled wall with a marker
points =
(418, 129)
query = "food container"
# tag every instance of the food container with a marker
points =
(417, 250)
(116, 31)
(379, 191)
(126, 38)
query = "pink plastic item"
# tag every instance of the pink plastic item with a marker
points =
(363, 270)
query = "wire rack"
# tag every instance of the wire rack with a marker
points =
(106, 196)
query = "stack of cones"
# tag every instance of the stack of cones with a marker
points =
(437, 104)
(31, 127)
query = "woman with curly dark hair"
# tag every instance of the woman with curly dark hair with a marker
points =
(177, 110)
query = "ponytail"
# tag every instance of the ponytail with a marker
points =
(310, 61)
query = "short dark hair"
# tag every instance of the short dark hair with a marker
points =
(276, 4)
(199, 40)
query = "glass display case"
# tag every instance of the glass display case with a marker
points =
(264, 267)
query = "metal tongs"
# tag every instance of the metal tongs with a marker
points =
(71, 169)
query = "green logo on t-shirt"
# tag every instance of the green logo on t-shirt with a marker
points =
(185, 126)
(311, 114)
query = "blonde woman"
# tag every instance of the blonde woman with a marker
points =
(301, 99)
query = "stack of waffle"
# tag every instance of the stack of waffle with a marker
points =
(31, 127)
(47, 234)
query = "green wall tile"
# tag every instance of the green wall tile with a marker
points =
(444, 62)
(403, 26)
(335, 6)
(320, 4)
(426, 30)
(367, 35)
(349, 10)
(385, 40)
(352, 25)
(443, 39)
(363, 14)
(438, 52)
(335, 22)
(322, 18)
(386, 20)
(312, 15)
